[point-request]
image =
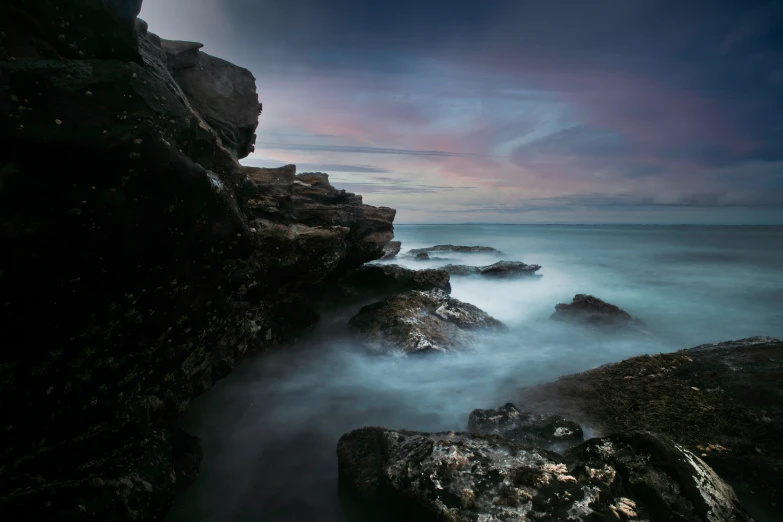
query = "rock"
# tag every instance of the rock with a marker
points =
(722, 401)
(403, 475)
(422, 256)
(420, 322)
(454, 248)
(222, 93)
(317, 203)
(382, 280)
(391, 250)
(499, 269)
(146, 260)
(529, 428)
(591, 311)
(180, 55)
(103, 29)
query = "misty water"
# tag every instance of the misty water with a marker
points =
(269, 431)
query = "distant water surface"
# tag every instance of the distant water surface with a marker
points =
(270, 430)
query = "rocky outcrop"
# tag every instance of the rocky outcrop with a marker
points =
(391, 250)
(534, 429)
(499, 269)
(722, 401)
(420, 322)
(140, 261)
(591, 311)
(222, 93)
(401, 475)
(382, 280)
(70, 29)
(422, 256)
(454, 248)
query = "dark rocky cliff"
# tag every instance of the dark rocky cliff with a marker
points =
(139, 262)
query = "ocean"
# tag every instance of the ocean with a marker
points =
(269, 431)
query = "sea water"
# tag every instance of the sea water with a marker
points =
(269, 431)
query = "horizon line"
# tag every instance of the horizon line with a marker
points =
(598, 224)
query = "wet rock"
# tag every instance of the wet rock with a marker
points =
(454, 248)
(391, 250)
(162, 262)
(535, 429)
(422, 256)
(402, 475)
(420, 322)
(499, 269)
(722, 401)
(591, 311)
(382, 280)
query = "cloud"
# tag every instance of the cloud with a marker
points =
(360, 150)
(317, 167)
(394, 188)
(650, 107)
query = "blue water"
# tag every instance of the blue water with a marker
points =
(270, 430)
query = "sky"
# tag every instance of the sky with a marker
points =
(515, 111)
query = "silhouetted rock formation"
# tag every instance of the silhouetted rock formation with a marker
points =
(722, 401)
(499, 269)
(420, 322)
(391, 250)
(403, 475)
(140, 261)
(535, 429)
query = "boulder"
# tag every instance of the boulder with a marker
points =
(391, 250)
(454, 248)
(422, 256)
(403, 475)
(591, 311)
(223, 94)
(420, 322)
(722, 401)
(534, 429)
(382, 280)
(499, 269)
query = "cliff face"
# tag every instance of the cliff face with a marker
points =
(140, 261)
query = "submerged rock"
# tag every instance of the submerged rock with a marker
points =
(402, 475)
(591, 311)
(391, 250)
(499, 269)
(381, 280)
(454, 248)
(722, 401)
(535, 429)
(422, 256)
(420, 322)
